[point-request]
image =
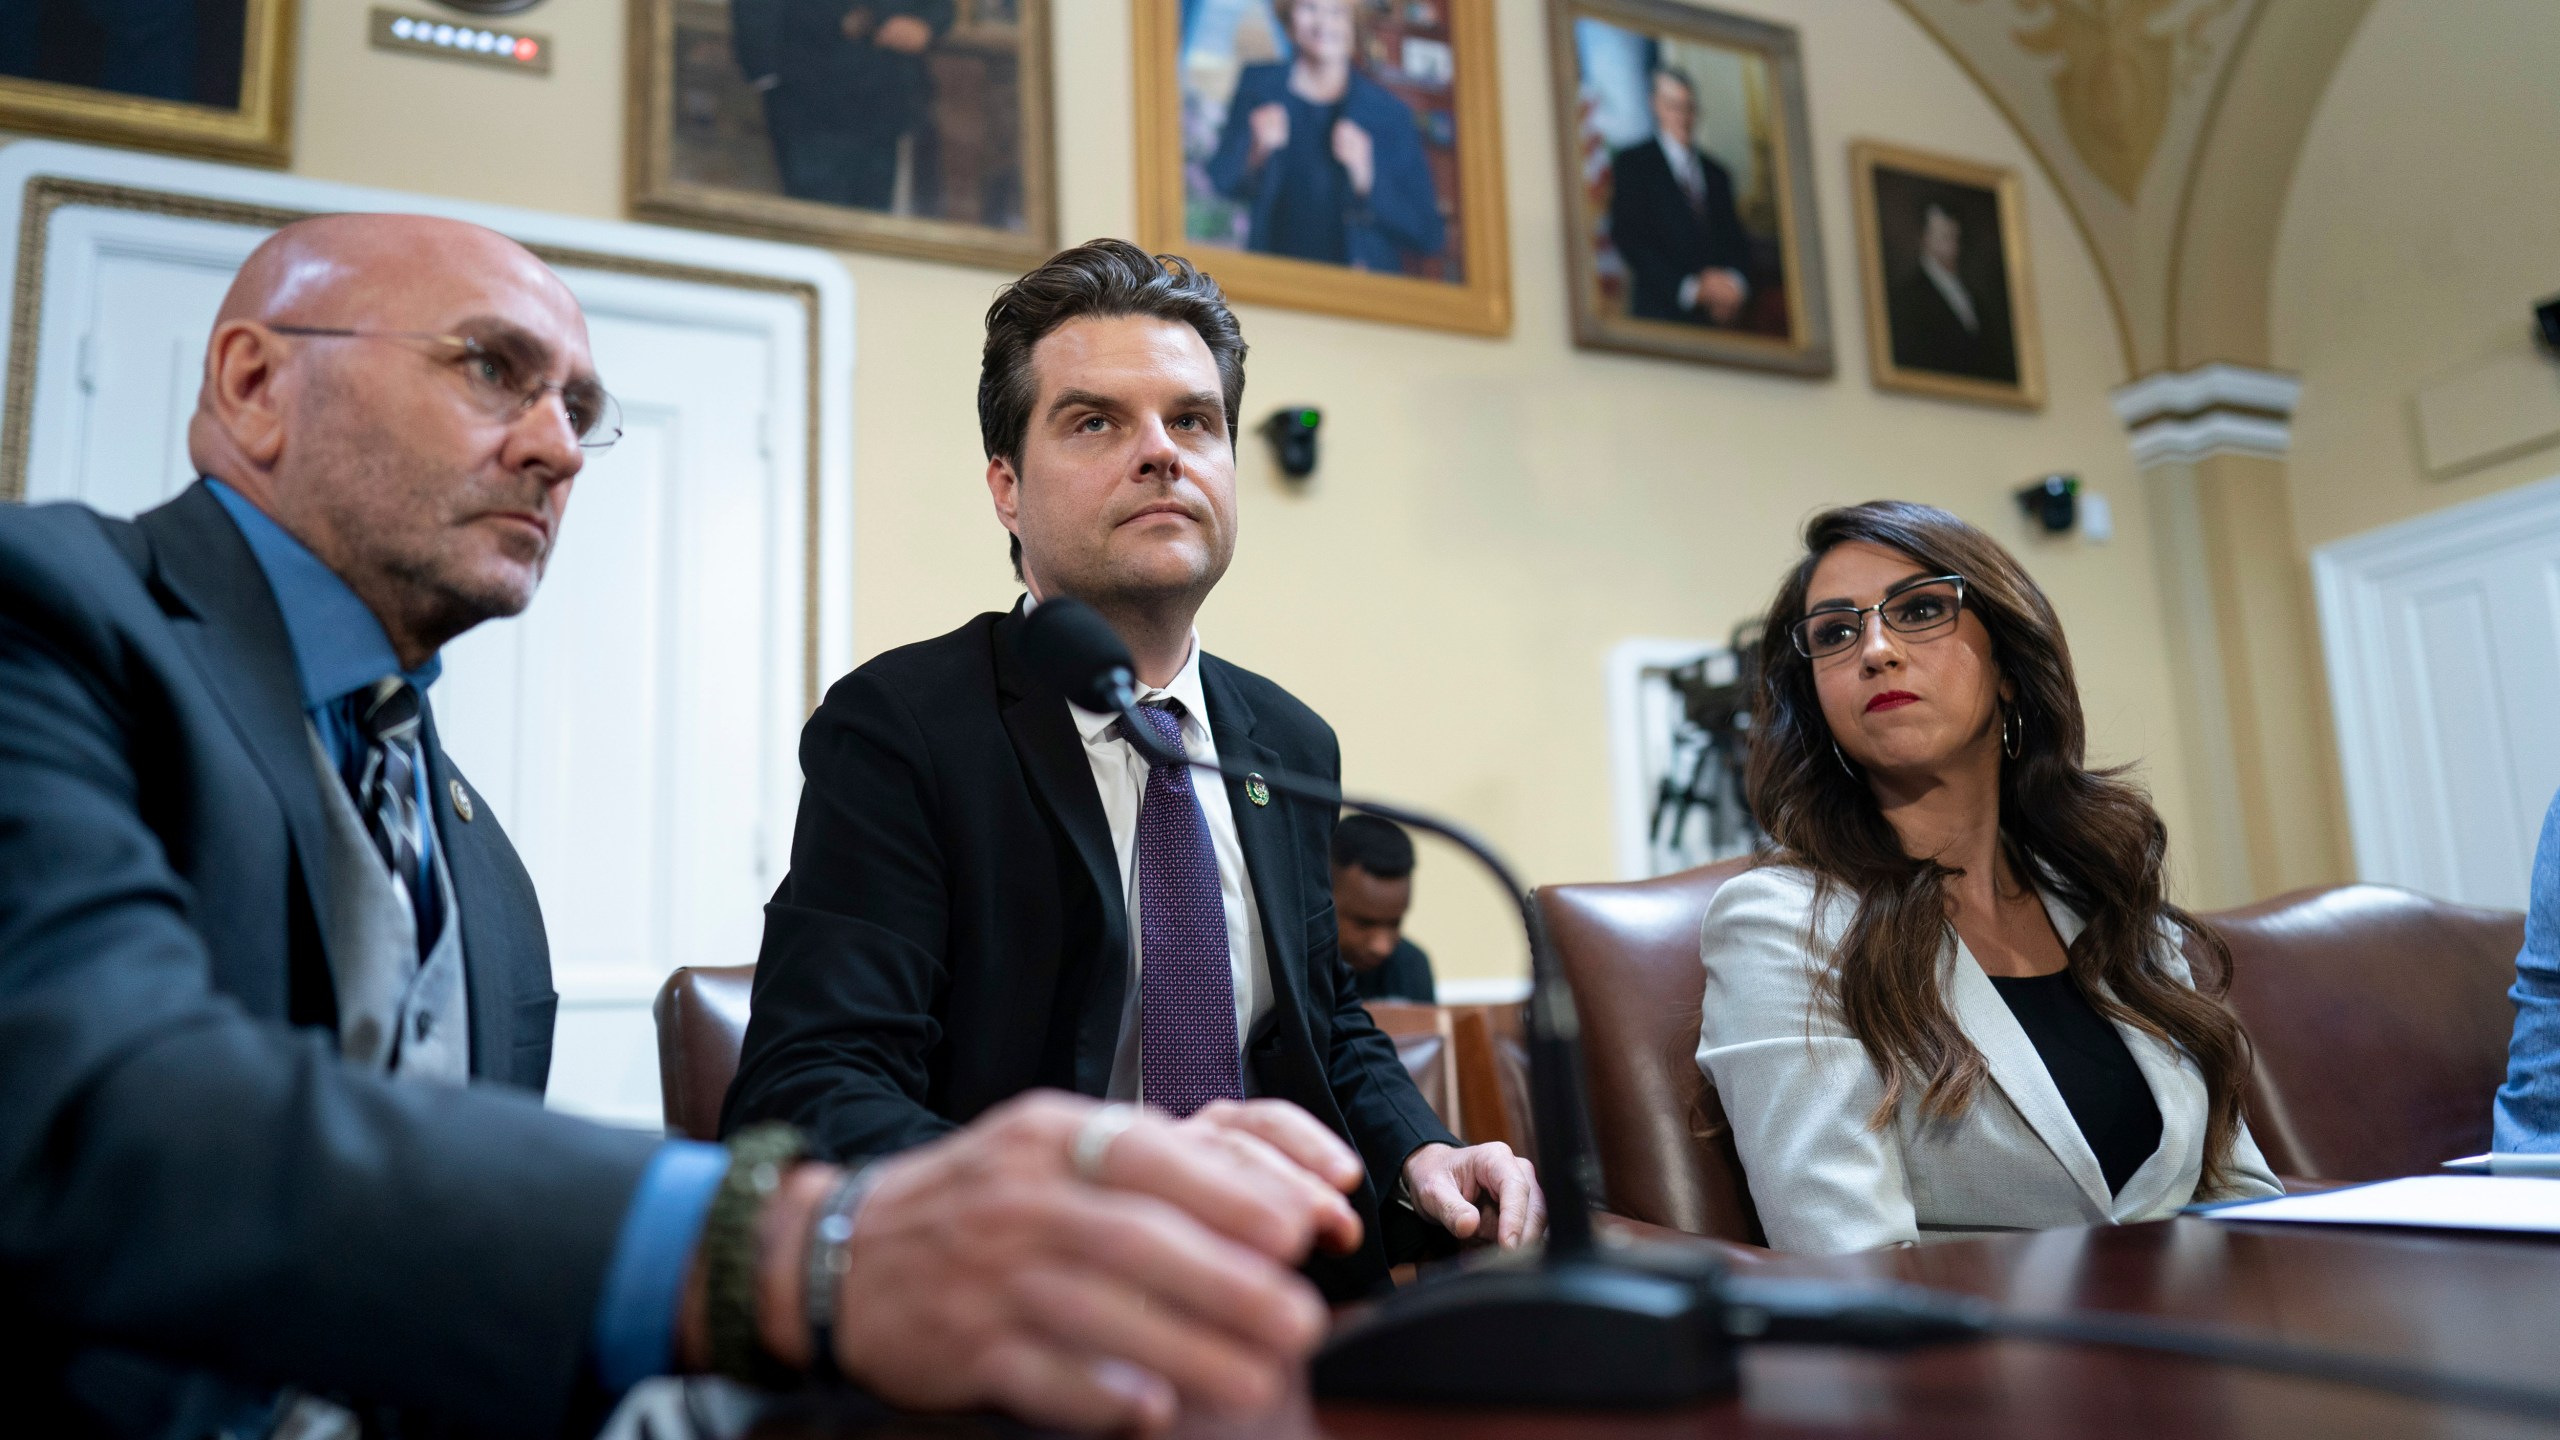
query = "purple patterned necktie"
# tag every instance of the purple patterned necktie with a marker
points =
(1187, 1052)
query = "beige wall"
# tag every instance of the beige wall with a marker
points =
(1491, 515)
(2423, 222)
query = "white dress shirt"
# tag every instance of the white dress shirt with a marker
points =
(1121, 776)
(1951, 290)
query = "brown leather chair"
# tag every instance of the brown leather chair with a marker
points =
(1426, 1041)
(1493, 1076)
(2380, 1020)
(702, 1023)
(1630, 952)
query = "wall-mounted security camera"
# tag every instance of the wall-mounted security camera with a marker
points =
(2546, 324)
(1292, 433)
(2052, 502)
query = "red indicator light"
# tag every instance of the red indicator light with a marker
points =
(526, 49)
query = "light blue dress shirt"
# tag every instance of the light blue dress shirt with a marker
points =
(339, 647)
(2528, 1111)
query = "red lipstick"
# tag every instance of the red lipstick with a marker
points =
(1891, 700)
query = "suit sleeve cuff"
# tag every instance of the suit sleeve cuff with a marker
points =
(635, 1330)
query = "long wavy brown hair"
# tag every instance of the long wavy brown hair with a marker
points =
(2087, 836)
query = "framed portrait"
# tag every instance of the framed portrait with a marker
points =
(1951, 305)
(917, 127)
(1333, 155)
(200, 77)
(1689, 218)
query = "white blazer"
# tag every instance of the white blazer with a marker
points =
(1798, 1089)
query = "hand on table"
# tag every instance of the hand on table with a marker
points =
(1283, 1151)
(1465, 1190)
(985, 1272)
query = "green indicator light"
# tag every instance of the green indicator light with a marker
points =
(1308, 418)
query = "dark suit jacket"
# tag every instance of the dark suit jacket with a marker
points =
(952, 932)
(1402, 216)
(198, 1201)
(1662, 237)
(1929, 335)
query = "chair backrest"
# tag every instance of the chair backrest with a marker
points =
(702, 1023)
(2380, 1020)
(1493, 1076)
(1426, 1042)
(1630, 951)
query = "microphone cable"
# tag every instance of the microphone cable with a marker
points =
(1902, 1317)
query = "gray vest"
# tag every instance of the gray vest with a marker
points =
(396, 1013)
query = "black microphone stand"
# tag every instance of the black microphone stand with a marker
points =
(1570, 1324)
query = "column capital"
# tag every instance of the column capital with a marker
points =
(2182, 416)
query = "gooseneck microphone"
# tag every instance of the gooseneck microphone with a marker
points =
(1580, 1325)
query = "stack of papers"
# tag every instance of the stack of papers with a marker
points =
(2434, 1202)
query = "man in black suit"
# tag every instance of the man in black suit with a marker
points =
(1372, 888)
(991, 891)
(843, 83)
(275, 1000)
(1943, 323)
(1672, 218)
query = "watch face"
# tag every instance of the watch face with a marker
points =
(488, 7)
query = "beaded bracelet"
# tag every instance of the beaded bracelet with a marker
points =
(759, 1157)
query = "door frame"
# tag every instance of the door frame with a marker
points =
(39, 177)
(2349, 578)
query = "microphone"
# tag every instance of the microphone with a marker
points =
(1580, 1325)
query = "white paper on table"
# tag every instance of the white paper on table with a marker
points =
(2436, 1202)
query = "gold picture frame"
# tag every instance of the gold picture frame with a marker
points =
(1640, 239)
(1477, 300)
(257, 129)
(1968, 331)
(1010, 171)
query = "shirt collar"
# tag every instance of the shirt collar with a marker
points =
(1096, 729)
(338, 644)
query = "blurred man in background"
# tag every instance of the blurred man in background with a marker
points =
(1372, 888)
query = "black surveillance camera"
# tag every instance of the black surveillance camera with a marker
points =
(2052, 502)
(1292, 433)
(2546, 324)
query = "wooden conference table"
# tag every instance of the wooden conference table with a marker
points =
(2478, 1306)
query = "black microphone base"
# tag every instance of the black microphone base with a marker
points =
(1580, 1333)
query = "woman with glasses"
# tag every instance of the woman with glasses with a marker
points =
(1954, 997)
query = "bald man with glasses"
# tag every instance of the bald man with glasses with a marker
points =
(276, 1003)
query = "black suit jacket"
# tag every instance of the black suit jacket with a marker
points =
(198, 1201)
(1929, 335)
(952, 932)
(1662, 237)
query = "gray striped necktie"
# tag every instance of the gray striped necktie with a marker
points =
(386, 792)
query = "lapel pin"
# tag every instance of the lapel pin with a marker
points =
(461, 800)
(1256, 791)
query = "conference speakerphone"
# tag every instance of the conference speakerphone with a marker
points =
(480, 44)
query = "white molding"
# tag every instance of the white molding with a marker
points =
(2348, 579)
(2207, 387)
(1483, 990)
(2218, 433)
(25, 160)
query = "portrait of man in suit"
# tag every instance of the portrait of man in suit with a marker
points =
(1691, 227)
(1672, 216)
(1950, 303)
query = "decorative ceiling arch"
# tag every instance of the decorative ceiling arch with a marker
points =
(2122, 104)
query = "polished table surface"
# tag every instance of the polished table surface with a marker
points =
(2469, 1304)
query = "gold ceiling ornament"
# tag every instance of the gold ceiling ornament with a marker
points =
(2123, 63)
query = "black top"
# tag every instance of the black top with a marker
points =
(2091, 1066)
(1404, 975)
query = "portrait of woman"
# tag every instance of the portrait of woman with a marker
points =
(1955, 997)
(1334, 155)
(1328, 162)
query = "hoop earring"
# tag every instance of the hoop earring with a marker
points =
(1845, 767)
(2013, 734)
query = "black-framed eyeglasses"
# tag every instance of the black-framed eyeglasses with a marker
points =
(1919, 607)
(497, 382)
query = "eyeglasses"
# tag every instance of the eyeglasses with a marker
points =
(1918, 607)
(497, 381)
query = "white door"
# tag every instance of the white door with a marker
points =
(635, 730)
(2443, 641)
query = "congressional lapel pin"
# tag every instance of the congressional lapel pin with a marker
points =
(461, 800)
(1256, 791)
